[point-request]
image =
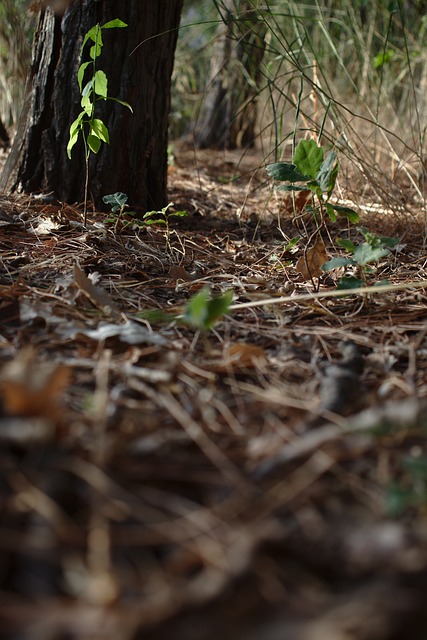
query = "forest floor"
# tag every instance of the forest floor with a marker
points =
(264, 480)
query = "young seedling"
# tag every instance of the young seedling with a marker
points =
(364, 256)
(118, 204)
(162, 217)
(311, 171)
(92, 130)
(202, 311)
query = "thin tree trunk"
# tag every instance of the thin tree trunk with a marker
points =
(138, 62)
(229, 115)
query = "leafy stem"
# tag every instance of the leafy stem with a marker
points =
(92, 130)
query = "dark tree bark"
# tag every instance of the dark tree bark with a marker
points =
(229, 115)
(4, 136)
(138, 62)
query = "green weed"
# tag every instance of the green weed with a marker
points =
(119, 206)
(311, 171)
(364, 257)
(162, 217)
(202, 311)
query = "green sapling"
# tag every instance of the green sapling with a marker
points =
(92, 130)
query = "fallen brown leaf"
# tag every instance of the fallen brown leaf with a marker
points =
(32, 389)
(309, 265)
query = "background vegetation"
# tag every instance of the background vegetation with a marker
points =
(353, 72)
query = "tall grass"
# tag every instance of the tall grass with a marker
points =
(15, 53)
(353, 73)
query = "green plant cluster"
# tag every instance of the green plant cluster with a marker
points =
(363, 258)
(311, 171)
(119, 206)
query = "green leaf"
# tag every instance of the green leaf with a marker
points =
(348, 245)
(87, 89)
(285, 171)
(178, 214)
(308, 158)
(99, 130)
(117, 200)
(87, 105)
(292, 187)
(346, 212)
(122, 102)
(81, 72)
(75, 128)
(91, 35)
(365, 254)
(95, 50)
(350, 283)
(314, 187)
(202, 311)
(150, 214)
(196, 311)
(71, 142)
(94, 143)
(383, 58)
(292, 243)
(112, 24)
(378, 241)
(156, 221)
(331, 212)
(76, 125)
(335, 263)
(168, 206)
(325, 177)
(100, 84)
(333, 179)
(218, 307)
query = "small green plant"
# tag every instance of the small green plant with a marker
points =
(202, 311)
(162, 217)
(118, 204)
(311, 171)
(363, 259)
(92, 130)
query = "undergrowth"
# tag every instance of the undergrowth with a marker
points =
(353, 71)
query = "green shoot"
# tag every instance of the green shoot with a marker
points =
(162, 217)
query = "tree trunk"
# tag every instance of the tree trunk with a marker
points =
(230, 111)
(138, 62)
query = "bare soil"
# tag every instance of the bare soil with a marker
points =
(265, 480)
